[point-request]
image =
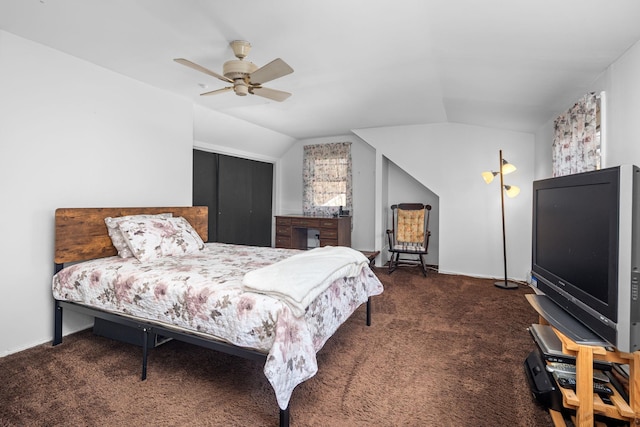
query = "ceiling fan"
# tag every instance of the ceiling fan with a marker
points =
(246, 76)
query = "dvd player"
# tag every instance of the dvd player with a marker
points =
(551, 347)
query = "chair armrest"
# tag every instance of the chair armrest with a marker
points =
(390, 238)
(426, 240)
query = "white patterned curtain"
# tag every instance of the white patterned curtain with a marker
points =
(576, 146)
(327, 178)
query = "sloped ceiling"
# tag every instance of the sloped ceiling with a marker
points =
(358, 63)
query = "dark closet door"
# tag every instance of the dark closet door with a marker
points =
(205, 187)
(244, 201)
(234, 200)
(262, 208)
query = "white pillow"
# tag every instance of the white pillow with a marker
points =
(153, 238)
(117, 239)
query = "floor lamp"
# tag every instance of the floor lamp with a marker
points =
(512, 191)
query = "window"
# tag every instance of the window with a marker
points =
(327, 178)
(577, 137)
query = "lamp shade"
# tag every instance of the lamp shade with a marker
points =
(507, 167)
(488, 176)
(512, 190)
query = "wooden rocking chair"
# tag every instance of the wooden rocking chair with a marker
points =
(409, 235)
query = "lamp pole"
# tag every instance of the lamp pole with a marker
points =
(504, 284)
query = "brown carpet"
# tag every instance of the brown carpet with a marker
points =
(442, 351)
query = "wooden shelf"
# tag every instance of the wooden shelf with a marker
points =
(583, 400)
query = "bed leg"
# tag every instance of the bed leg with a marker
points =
(57, 312)
(369, 311)
(145, 341)
(57, 323)
(284, 417)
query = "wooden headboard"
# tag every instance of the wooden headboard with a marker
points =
(81, 233)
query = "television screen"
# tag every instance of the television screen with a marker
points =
(576, 238)
(586, 255)
(572, 244)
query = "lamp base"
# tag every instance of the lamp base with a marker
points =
(503, 284)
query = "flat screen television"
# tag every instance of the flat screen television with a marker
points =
(586, 254)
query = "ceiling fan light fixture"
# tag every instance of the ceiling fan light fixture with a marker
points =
(240, 88)
(240, 48)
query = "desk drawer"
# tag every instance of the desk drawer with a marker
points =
(283, 230)
(305, 222)
(282, 221)
(327, 223)
(329, 234)
(283, 242)
(328, 242)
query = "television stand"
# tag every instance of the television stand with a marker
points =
(583, 400)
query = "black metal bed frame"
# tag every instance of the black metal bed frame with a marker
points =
(148, 327)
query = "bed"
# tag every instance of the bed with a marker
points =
(224, 297)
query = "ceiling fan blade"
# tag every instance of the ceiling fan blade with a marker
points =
(217, 91)
(202, 69)
(273, 70)
(276, 95)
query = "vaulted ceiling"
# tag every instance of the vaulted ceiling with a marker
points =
(510, 64)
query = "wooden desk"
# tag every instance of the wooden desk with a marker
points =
(291, 230)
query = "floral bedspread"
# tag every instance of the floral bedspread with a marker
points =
(203, 292)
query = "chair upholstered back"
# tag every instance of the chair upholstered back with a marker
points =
(411, 226)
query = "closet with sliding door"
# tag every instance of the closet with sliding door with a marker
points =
(239, 195)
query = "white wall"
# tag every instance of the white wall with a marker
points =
(402, 187)
(543, 151)
(622, 87)
(74, 135)
(219, 133)
(621, 145)
(398, 185)
(289, 182)
(289, 171)
(448, 159)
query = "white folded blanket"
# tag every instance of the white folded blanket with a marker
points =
(299, 279)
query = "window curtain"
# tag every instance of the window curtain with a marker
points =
(327, 178)
(575, 143)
